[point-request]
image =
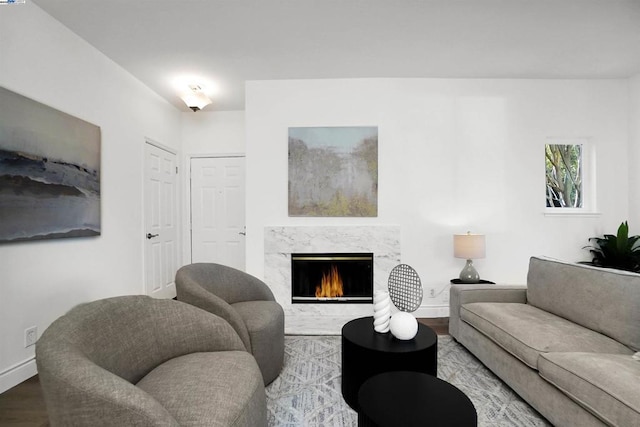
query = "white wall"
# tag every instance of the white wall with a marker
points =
(454, 155)
(39, 281)
(634, 155)
(212, 133)
(207, 134)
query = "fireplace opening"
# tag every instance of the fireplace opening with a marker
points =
(332, 277)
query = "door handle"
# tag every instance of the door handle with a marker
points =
(151, 236)
(242, 233)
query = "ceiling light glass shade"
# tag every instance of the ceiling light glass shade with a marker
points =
(469, 246)
(196, 100)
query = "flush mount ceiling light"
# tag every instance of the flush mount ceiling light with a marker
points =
(195, 97)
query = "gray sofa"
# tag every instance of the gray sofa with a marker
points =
(245, 302)
(138, 361)
(564, 342)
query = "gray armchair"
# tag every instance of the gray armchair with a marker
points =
(138, 361)
(245, 302)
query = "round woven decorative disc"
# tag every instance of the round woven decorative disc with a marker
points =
(405, 288)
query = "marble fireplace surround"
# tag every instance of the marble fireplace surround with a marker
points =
(280, 242)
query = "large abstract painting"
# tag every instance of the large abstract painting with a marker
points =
(333, 171)
(49, 172)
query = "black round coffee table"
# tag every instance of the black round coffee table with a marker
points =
(366, 353)
(413, 399)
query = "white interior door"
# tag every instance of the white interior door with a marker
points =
(217, 211)
(161, 255)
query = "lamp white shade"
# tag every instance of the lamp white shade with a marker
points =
(469, 246)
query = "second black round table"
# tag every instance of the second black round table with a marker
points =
(412, 399)
(366, 353)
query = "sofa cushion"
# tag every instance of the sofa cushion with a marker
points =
(526, 331)
(604, 300)
(605, 384)
(210, 389)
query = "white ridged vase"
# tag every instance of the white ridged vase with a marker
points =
(381, 311)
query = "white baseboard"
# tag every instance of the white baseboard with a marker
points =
(17, 373)
(432, 311)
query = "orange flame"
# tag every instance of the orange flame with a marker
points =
(331, 284)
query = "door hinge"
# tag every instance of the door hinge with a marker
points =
(176, 170)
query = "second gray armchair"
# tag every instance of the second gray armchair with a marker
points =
(245, 302)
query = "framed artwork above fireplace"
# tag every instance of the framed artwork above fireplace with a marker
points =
(333, 171)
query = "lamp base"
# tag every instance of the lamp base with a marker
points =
(469, 274)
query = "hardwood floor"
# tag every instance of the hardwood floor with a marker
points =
(23, 405)
(439, 325)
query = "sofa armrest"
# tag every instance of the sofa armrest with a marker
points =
(464, 294)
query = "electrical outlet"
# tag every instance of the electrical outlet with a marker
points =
(30, 336)
(432, 293)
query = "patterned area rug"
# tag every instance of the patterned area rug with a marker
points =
(307, 392)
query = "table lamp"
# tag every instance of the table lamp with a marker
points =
(469, 246)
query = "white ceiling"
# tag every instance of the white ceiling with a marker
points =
(227, 42)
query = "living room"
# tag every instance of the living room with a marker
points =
(455, 154)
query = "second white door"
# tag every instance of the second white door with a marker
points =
(218, 211)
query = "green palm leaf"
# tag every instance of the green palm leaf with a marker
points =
(619, 251)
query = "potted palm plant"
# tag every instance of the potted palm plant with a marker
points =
(619, 251)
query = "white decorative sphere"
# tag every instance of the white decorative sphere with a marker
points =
(403, 325)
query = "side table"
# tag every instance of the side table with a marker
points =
(411, 399)
(366, 353)
(481, 282)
